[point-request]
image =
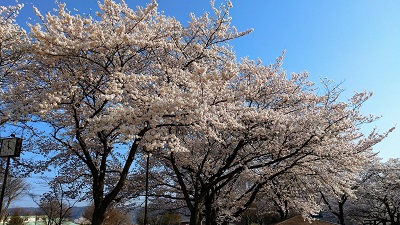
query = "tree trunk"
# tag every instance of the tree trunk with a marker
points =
(341, 213)
(210, 211)
(100, 204)
(195, 217)
(98, 215)
(283, 211)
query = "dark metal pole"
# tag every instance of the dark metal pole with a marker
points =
(3, 188)
(147, 189)
(398, 218)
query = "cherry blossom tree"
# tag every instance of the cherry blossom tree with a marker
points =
(98, 91)
(282, 127)
(280, 197)
(345, 207)
(377, 196)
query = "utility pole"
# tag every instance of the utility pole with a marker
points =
(145, 219)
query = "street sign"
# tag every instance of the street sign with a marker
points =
(10, 147)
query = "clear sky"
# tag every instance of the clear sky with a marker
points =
(355, 42)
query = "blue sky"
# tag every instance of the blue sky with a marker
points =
(355, 42)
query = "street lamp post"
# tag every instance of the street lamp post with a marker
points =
(3, 187)
(146, 197)
(147, 190)
(9, 147)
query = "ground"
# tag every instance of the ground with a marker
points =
(299, 220)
